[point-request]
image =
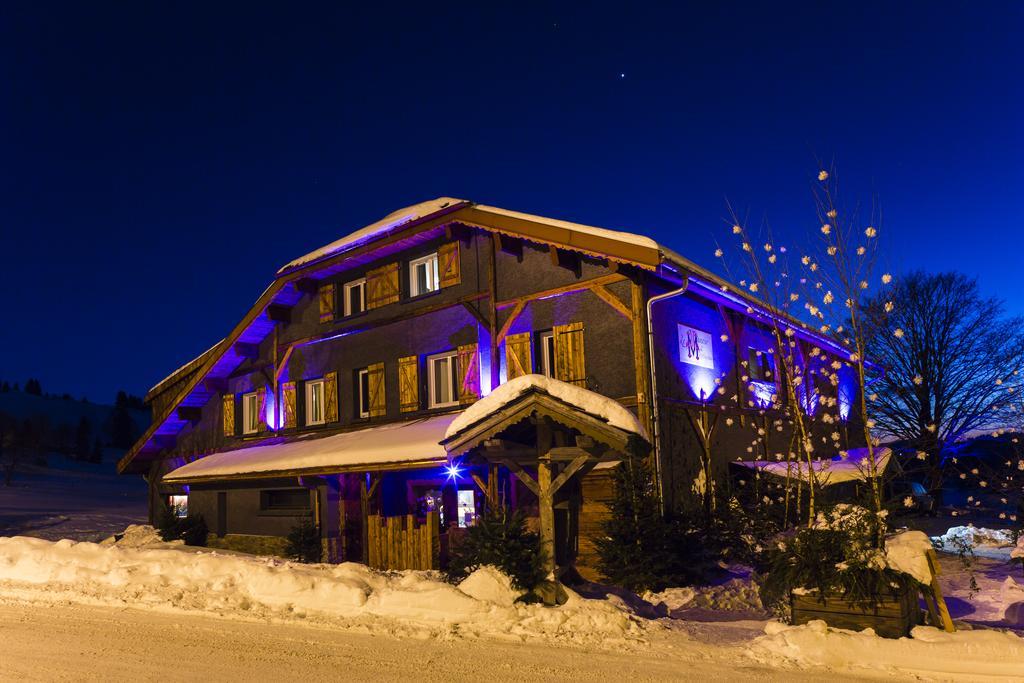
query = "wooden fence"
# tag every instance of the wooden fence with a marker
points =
(398, 543)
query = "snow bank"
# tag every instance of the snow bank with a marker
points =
(906, 552)
(976, 537)
(609, 410)
(734, 595)
(139, 536)
(489, 584)
(929, 653)
(347, 594)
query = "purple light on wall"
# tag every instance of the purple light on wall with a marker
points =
(700, 380)
(271, 413)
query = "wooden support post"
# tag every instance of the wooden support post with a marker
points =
(547, 514)
(365, 494)
(492, 310)
(641, 363)
(945, 619)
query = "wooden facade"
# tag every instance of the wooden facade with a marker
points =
(514, 294)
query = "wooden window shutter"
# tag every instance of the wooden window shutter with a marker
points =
(469, 373)
(327, 302)
(382, 286)
(288, 400)
(331, 397)
(261, 407)
(378, 397)
(229, 414)
(448, 266)
(518, 356)
(409, 383)
(570, 363)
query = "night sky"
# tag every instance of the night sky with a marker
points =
(160, 161)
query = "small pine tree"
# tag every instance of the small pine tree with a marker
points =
(637, 550)
(304, 543)
(500, 538)
(33, 386)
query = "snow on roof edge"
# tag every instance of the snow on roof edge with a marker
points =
(397, 218)
(613, 412)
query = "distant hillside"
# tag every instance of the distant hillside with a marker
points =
(58, 411)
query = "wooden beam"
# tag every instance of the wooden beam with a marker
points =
(484, 322)
(190, 413)
(564, 289)
(516, 310)
(249, 351)
(492, 311)
(570, 469)
(606, 295)
(522, 476)
(563, 258)
(279, 313)
(510, 245)
(642, 362)
(215, 385)
(307, 285)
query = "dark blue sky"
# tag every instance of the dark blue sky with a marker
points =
(158, 163)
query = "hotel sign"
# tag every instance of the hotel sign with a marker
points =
(695, 347)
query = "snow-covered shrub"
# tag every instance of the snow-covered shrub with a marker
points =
(303, 543)
(172, 527)
(838, 555)
(501, 539)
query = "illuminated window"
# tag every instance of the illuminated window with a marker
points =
(444, 379)
(363, 389)
(762, 367)
(315, 402)
(546, 342)
(467, 508)
(179, 504)
(250, 413)
(423, 277)
(355, 296)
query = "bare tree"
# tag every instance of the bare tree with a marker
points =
(951, 362)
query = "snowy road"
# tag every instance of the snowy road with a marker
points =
(51, 642)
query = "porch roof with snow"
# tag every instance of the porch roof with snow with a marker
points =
(594, 415)
(854, 467)
(399, 445)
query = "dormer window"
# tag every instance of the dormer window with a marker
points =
(423, 276)
(355, 296)
(315, 402)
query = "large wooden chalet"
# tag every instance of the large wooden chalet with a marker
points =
(332, 399)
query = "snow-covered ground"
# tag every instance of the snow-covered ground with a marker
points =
(71, 499)
(121, 606)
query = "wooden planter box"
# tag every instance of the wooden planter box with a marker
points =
(892, 618)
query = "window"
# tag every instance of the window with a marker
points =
(547, 354)
(467, 508)
(444, 379)
(423, 276)
(761, 365)
(284, 499)
(355, 296)
(315, 402)
(363, 392)
(250, 413)
(179, 504)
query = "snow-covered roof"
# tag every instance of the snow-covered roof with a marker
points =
(393, 220)
(618, 235)
(607, 409)
(190, 365)
(854, 467)
(401, 442)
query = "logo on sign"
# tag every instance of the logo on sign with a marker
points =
(695, 347)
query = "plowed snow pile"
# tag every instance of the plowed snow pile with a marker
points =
(930, 653)
(347, 594)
